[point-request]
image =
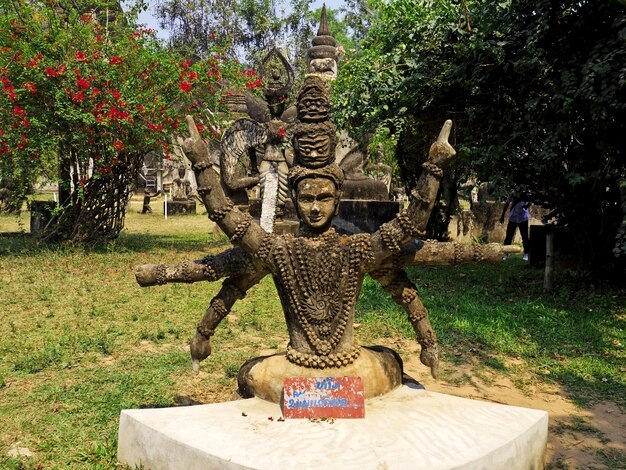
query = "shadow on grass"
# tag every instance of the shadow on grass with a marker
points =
(573, 336)
(24, 244)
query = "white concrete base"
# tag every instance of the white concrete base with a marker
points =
(409, 428)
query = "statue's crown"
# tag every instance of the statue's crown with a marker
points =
(331, 172)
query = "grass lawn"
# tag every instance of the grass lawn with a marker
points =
(80, 341)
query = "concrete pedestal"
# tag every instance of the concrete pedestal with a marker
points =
(408, 428)
(180, 207)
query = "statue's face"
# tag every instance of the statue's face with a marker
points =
(314, 151)
(317, 200)
(314, 106)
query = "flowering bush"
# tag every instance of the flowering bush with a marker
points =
(94, 100)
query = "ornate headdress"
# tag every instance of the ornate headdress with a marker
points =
(313, 100)
(331, 172)
(278, 75)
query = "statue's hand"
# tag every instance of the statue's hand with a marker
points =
(200, 350)
(441, 151)
(194, 147)
(430, 358)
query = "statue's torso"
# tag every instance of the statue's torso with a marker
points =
(318, 281)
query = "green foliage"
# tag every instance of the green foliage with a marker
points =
(248, 27)
(93, 94)
(535, 89)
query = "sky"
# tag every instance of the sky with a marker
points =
(147, 17)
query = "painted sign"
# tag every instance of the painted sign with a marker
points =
(324, 397)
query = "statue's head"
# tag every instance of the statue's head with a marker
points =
(278, 75)
(314, 143)
(316, 194)
(181, 172)
(313, 100)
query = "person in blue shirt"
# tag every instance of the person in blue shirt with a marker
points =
(518, 218)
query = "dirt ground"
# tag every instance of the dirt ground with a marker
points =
(578, 438)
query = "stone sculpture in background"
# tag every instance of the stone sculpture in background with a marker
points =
(322, 55)
(270, 139)
(182, 196)
(181, 187)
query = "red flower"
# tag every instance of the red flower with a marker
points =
(34, 60)
(25, 122)
(78, 97)
(185, 64)
(185, 86)
(115, 60)
(118, 145)
(281, 132)
(80, 56)
(30, 86)
(116, 94)
(6, 81)
(51, 72)
(255, 84)
(82, 82)
(17, 111)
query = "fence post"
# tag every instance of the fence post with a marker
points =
(549, 270)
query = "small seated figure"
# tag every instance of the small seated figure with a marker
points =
(182, 193)
(181, 187)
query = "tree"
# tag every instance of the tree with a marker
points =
(94, 96)
(249, 27)
(536, 89)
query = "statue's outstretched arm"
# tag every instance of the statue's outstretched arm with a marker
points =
(395, 281)
(232, 290)
(434, 253)
(242, 272)
(411, 222)
(230, 263)
(238, 226)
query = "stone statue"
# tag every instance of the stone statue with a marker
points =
(181, 187)
(322, 55)
(359, 185)
(147, 196)
(277, 152)
(271, 138)
(318, 273)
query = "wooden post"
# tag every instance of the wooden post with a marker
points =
(547, 278)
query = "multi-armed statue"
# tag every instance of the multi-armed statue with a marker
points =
(318, 273)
